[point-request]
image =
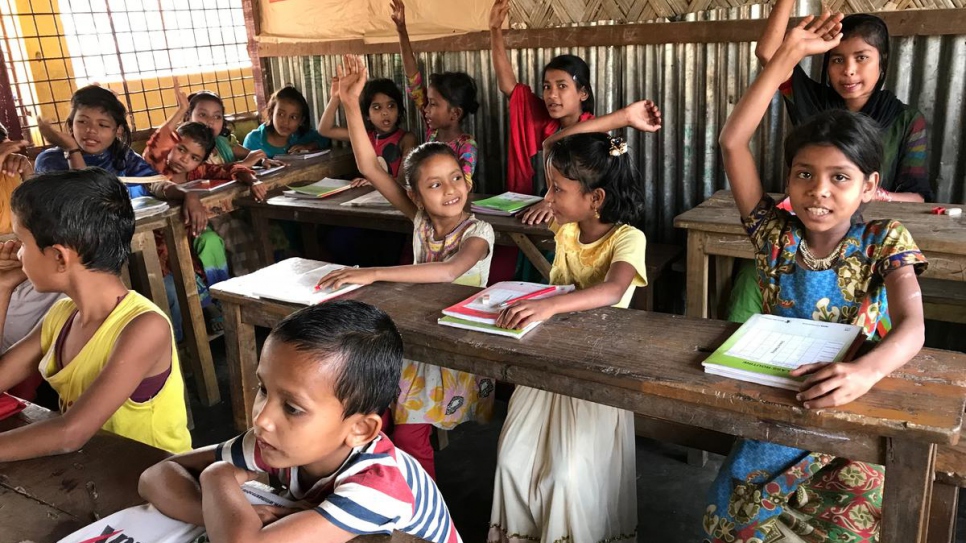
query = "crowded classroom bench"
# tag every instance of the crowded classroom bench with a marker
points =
(596, 355)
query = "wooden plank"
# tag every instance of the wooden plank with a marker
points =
(696, 291)
(931, 22)
(241, 352)
(266, 252)
(147, 270)
(942, 513)
(202, 363)
(28, 520)
(908, 486)
(252, 29)
(533, 254)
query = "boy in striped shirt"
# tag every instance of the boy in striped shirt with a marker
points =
(325, 376)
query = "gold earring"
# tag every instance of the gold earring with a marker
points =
(596, 214)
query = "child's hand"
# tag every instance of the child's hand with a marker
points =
(259, 191)
(538, 213)
(271, 513)
(223, 470)
(302, 148)
(56, 137)
(194, 213)
(334, 88)
(253, 158)
(352, 78)
(347, 276)
(180, 96)
(830, 385)
(498, 13)
(644, 116)
(11, 269)
(399, 14)
(522, 313)
(815, 35)
(12, 163)
(360, 182)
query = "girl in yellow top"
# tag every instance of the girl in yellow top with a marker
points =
(565, 467)
(108, 352)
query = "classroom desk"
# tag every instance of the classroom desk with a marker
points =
(45, 499)
(530, 239)
(714, 230)
(649, 363)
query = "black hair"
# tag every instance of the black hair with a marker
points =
(856, 135)
(196, 98)
(290, 93)
(105, 100)
(200, 133)
(599, 161)
(381, 86)
(872, 30)
(458, 89)
(363, 340)
(86, 210)
(579, 71)
(420, 154)
(3, 132)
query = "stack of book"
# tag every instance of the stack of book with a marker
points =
(300, 156)
(320, 189)
(481, 311)
(148, 206)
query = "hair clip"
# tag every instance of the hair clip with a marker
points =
(617, 147)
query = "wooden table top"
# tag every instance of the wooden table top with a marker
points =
(651, 363)
(933, 233)
(45, 499)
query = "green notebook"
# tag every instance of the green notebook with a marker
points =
(319, 189)
(487, 328)
(506, 204)
(767, 347)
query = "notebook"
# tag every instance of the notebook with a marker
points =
(301, 156)
(207, 185)
(506, 204)
(293, 281)
(372, 199)
(767, 347)
(10, 405)
(320, 189)
(262, 171)
(149, 180)
(148, 206)
(480, 311)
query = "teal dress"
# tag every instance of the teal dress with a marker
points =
(782, 494)
(258, 139)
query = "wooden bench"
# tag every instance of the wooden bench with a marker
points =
(943, 300)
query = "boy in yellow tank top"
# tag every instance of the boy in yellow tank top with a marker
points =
(108, 352)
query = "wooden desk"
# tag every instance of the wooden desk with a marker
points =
(714, 230)
(508, 230)
(45, 499)
(649, 363)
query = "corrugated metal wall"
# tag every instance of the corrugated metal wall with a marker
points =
(696, 85)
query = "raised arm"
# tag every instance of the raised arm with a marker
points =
(352, 77)
(405, 47)
(64, 140)
(644, 116)
(771, 38)
(178, 116)
(327, 126)
(501, 62)
(807, 38)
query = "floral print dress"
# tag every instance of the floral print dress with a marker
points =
(769, 493)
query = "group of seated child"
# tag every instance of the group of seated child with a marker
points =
(341, 421)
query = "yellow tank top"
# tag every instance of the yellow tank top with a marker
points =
(162, 421)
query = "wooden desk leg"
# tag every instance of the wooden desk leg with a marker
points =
(152, 268)
(266, 254)
(179, 260)
(532, 253)
(697, 278)
(910, 468)
(242, 356)
(723, 267)
(942, 513)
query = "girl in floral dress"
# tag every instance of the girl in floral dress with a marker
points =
(821, 263)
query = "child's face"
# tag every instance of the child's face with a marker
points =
(286, 117)
(567, 198)
(853, 69)
(383, 113)
(438, 112)
(442, 187)
(185, 156)
(297, 418)
(826, 188)
(210, 114)
(561, 95)
(93, 129)
(40, 266)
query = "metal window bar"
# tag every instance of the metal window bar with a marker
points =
(131, 47)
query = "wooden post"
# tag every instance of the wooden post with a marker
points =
(263, 241)
(942, 512)
(532, 253)
(240, 345)
(697, 276)
(910, 467)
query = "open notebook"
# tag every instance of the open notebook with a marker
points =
(320, 189)
(292, 280)
(767, 347)
(480, 311)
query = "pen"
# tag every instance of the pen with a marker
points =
(534, 294)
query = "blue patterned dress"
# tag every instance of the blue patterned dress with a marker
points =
(769, 493)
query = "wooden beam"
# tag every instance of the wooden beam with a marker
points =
(252, 29)
(927, 22)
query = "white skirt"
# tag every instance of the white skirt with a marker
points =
(565, 472)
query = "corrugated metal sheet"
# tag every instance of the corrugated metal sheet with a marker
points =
(696, 86)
